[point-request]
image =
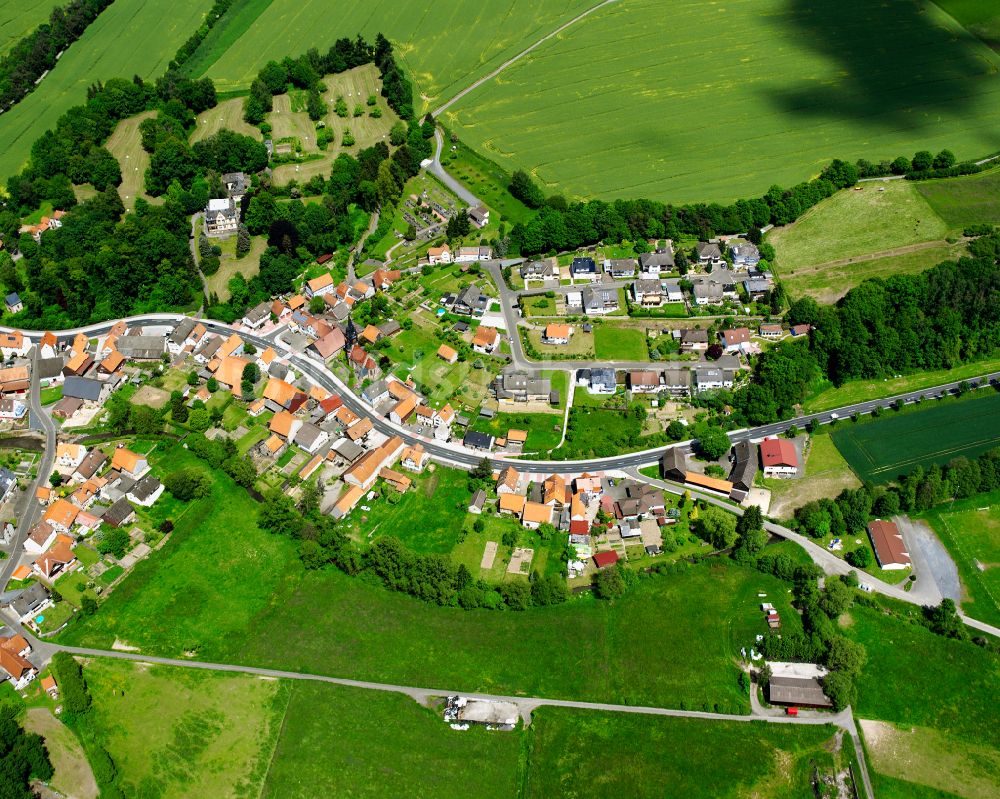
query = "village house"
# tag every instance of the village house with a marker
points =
(644, 382)
(620, 268)
(237, 185)
(745, 255)
(13, 303)
(654, 264)
(13, 344)
(14, 662)
(439, 255)
(222, 217)
(676, 382)
(145, 491)
(540, 270)
(712, 379)
(467, 255)
(130, 463)
(598, 301)
(471, 301)
(12, 409)
(364, 472)
(708, 294)
(735, 340)
(414, 458)
(557, 334)
(890, 549)
(709, 254)
(30, 602)
(57, 560)
(535, 514)
(69, 456)
(648, 293)
(583, 269)
(600, 381)
(521, 387)
(486, 340)
(318, 286)
(694, 340)
(447, 354)
(256, 317)
(779, 457)
(479, 216)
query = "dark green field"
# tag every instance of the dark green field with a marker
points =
(882, 449)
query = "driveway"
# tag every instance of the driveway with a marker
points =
(937, 575)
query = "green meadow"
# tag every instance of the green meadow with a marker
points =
(707, 101)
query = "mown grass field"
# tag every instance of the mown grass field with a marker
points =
(248, 265)
(18, 18)
(882, 449)
(613, 755)
(880, 230)
(125, 144)
(970, 200)
(131, 37)
(227, 114)
(598, 111)
(223, 590)
(289, 119)
(424, 36)
(970, 530)
(614, 343)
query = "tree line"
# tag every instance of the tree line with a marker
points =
(23, 756)
(31, 57)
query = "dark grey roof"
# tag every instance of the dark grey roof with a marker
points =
(84, 388)
(182, 331)
(258, 313)
(478, 500)
(663, 258)
(118, 513)
(50, 367)
(7, 479)
(138, 347)
(29, 599)
(745, 468)
(308, 434)
(674, 462)
(797, 691)
(478, 440)
(145, 487)
(585, 266)
(13, 298)
(348, 450)
(708, 250)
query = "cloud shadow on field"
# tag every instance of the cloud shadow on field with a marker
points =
(893, 64)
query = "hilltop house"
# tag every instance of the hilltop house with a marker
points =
(222, 217)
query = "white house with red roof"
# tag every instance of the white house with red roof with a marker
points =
(779, 457)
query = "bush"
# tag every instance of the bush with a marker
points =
(188, 484)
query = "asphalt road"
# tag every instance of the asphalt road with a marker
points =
(460, 456)
(38, 420)
(442, 174)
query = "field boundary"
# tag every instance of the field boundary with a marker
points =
(277, 742)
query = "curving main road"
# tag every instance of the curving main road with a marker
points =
(463, 457)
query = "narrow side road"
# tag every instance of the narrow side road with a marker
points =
(441, 174)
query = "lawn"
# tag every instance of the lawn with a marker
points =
(580, 346)
(21, 17)
(374, 744)
(229, 264)
(880, 450)
(539, 305)
(970, 529)
(289, 119)
(970, 200)
(796, 84)
(125, 144)
(826, 475)
(827, 396)
(184, 732)
(544, 429)
(439, 499)
(227, 114)
(617, 755)
(486, 179)
(423, 36)
(227, 591)
(131, 37)
(51, 395)
(613, 343)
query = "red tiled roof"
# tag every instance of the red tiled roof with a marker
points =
(603, 559)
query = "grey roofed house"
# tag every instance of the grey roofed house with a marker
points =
(622, 266)
(745, 468)
(757, 285)
(182, 331)
(49, 368)
(583, 266)
(209, 347)
(7, 481)
(476, 440)
(677, 380)
(708, 251)
(389, 328)
(604, 379)
(707, 291)
(84, 388)
(537, 269)
(674, 464)
(461, 327)
(348, 450)
(307, 435)
(118, 486)
(663, 258)
(139, 348)
(91, 464)
(554, 396)
(258, 313)
(237, 184)
(521, 386)
(647, 285)
(29, 600)
(788, 690)
(599, 299)
(471, 301)
(477, 501)
(144, 488)
(278, 370)
(695, 336)
(121, 512)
